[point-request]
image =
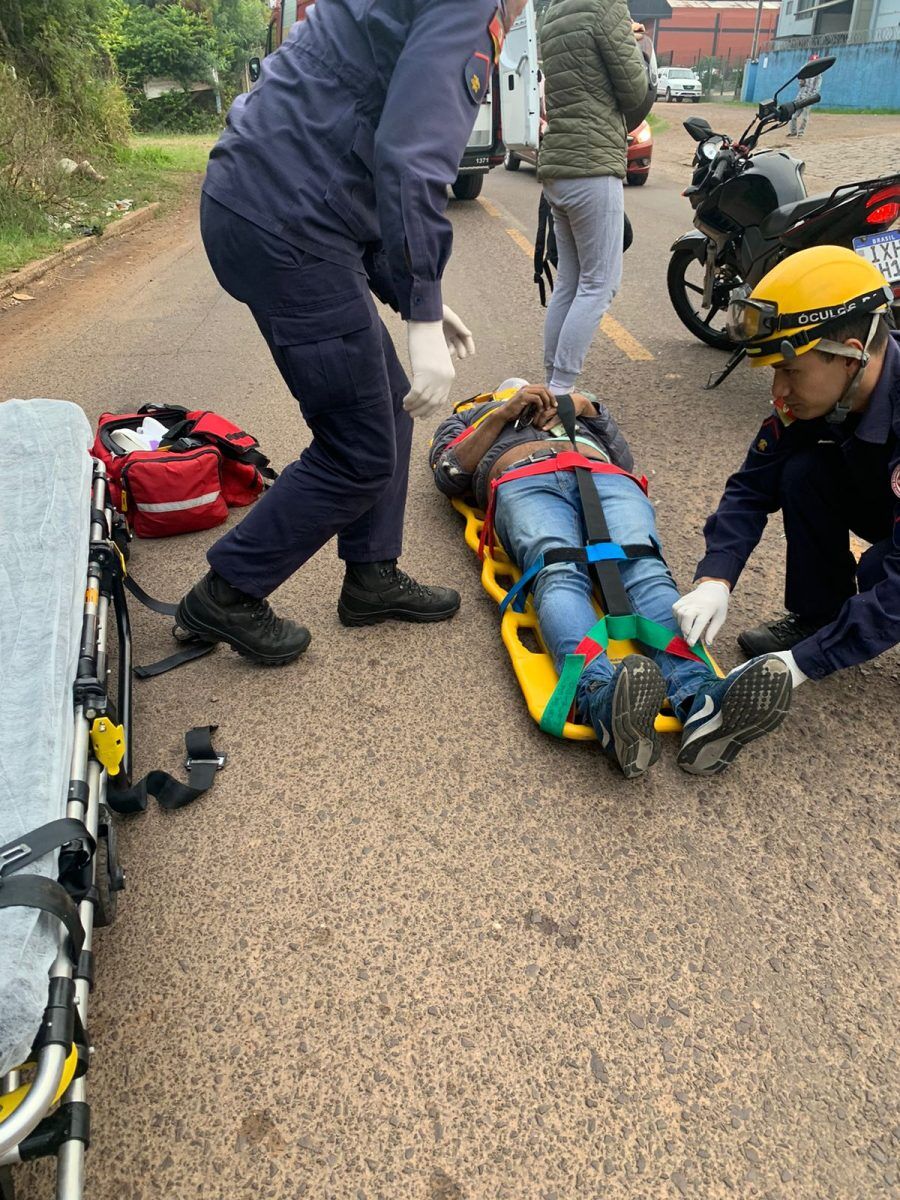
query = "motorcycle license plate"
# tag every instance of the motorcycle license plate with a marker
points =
(882, 249)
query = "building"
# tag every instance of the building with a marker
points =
(841, 22)
(650, 13)
(699, 29)
(864, 38)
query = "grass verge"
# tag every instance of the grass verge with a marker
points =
(149, 168)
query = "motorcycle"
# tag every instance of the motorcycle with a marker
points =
(751, 210)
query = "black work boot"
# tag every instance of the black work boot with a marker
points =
(779, 635)
(379, 591)
(214, 611)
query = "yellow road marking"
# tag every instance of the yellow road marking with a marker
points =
(628, 344)
(491, 209)
(521, 241)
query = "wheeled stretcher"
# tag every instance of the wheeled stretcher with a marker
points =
(65, 770)
(618, 631)
(60, 592)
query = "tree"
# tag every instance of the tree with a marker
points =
(168, 42)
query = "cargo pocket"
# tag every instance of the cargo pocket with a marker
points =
(331, 355)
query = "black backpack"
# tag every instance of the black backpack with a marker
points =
(546, 255)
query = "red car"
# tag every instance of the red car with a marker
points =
(640, 151)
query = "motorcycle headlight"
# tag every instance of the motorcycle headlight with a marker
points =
(710, 148)
(644, 134)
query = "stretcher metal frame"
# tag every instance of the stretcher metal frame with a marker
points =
(50, 1115)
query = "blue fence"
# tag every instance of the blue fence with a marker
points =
(864, 76)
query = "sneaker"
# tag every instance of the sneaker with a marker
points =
(733, 712)
(778, 635)
(623, 713)
(214, 611)
(380, 591)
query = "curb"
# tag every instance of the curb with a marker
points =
(36, 270)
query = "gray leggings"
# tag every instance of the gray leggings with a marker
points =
(589, 216)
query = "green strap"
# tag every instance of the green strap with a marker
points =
(632, 625)
(556, 713)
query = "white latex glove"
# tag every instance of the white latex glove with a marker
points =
(797, 676)
(458, 336)
(432, 370)
(702, 612)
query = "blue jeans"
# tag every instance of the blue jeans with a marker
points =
(542, 512)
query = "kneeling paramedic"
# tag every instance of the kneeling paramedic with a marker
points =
(538, 512)
(828, 458)
(330, 178)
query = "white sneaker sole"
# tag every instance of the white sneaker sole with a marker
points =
(755, 705)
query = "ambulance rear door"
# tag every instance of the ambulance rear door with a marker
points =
(520, 101)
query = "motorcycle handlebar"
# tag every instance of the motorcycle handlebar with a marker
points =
(786, 111)
(720, 169)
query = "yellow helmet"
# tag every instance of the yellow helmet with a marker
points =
(792, 306)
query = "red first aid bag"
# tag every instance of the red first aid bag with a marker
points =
(204, 465)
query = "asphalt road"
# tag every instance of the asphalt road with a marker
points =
(409, 946)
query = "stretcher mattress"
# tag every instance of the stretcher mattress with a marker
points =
(45, 471)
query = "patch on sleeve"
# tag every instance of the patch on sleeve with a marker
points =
(895, 481)
(769, 434)
(478, 77)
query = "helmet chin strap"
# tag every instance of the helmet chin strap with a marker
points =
(844, 405)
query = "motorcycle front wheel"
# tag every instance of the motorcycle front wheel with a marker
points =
(684, 280)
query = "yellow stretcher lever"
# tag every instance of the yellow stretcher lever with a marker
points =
(108, 742)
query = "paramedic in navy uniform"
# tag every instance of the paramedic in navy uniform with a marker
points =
(330, 179)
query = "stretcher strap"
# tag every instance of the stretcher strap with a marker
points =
(202, 763)
(37, 842)
(599, 552)
(35, 891)
(188, 654)
(566, 460)
(595, 641)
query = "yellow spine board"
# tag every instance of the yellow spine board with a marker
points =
(535, 671)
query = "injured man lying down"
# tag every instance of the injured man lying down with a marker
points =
(504, 451)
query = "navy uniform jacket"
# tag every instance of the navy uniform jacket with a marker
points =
(352, 134)
(869, 623)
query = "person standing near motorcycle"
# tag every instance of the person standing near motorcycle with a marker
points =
(800, 119)
(594, 71)
(330, 178)
(828, 458)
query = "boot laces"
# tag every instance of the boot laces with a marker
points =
(261, 613)
(391, 573)
(789, 626)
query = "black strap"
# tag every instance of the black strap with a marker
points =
(34, 891)
(202, 762)
(37, 842)
(579, 554)
(545, 251)
(157, 606)
(605, 574)
(190, 652)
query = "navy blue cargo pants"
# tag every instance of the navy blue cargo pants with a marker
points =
(339, 362)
